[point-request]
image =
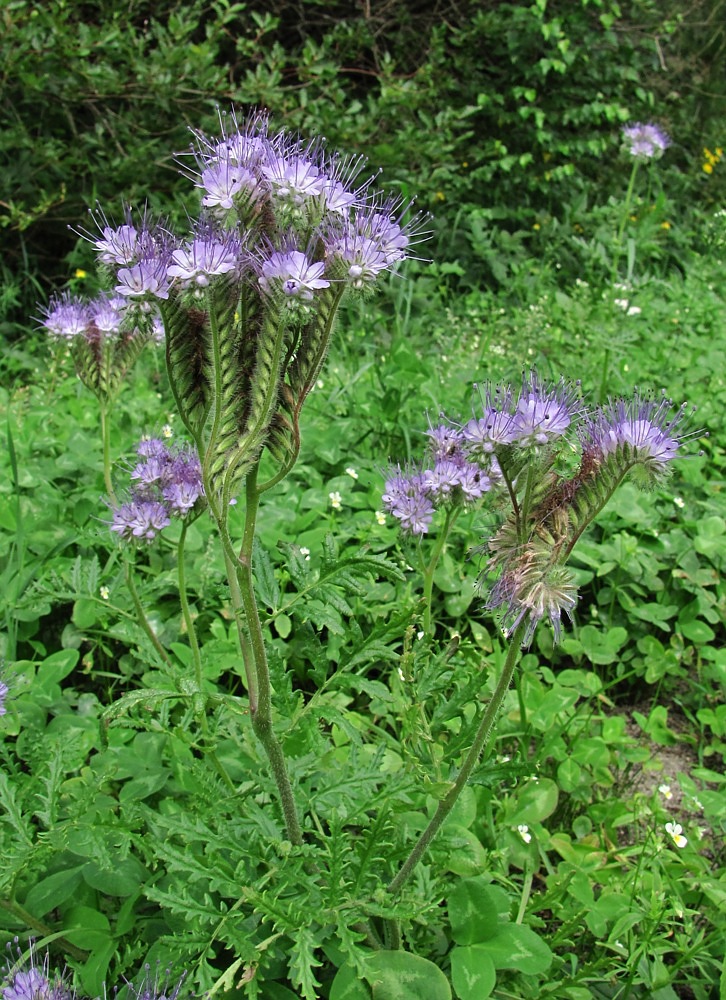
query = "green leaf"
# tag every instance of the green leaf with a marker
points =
(399, 975)
(85, 613)
(53, 891)
(599, 647)
(472, 972)
(518, 947)
(535, 801)
(348, 986)
(123, 879)
(473, 911)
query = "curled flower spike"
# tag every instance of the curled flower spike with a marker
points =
(638, 431)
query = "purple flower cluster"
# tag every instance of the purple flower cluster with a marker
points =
(27, 980)
(167, 483)
(33, 982)
(642, 430)
(68, 316)
(278, 209)
(4, 691)
(513, 443)
(451, 479)
(646, 142)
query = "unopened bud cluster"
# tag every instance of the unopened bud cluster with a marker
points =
(554, 462)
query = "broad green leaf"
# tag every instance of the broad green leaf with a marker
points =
(472, 972)
(348, 986)
(53, 891)
(399, 975)
(535, 801)
(515, 946)
(473, 911)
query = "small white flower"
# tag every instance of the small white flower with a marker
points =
(350, 471)
(420, 635)
(523, 831)
(679, 502)
(676, 832)
(665, 791)
(305, 551)
(105, 593)
(622, 303)
(166, 431)
(380, 517)
(335, 500)
(634, 311)
(319, 384)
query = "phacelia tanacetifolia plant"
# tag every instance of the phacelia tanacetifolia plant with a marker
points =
(248, 301)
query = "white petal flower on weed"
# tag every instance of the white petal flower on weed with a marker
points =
(380, 517)
(350, 471)
(305, 552)
(665, 791)
(335, 500)
(166, 431)
(523, 831)
(105, 593)
(676, 832)
(679, 502)
(634, 311)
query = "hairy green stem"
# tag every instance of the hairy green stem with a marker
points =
(262, 714)
(479, 744)
(106, 442)
(187, 614)
(141, 615)
(37, 925)
(429, 569)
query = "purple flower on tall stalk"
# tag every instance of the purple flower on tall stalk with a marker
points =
(66, 316)
(224, 182)
(207, 256)
(140, 520)
(146, 279)
(544, 411)
(642, 431)
(646, 142)
(294, 273)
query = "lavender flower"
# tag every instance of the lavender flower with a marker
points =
(4, 691)
(646, 142)
(293, 178)
(483, 435)
(32, 981)
(224, 184)
(66, 316)
(405, 497)
(543, 411)
(167, 483)
(145, 279)
(205, 257)
(294, 273)
(640, 431)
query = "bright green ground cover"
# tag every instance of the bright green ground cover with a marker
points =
(119, 839)
(556, 875)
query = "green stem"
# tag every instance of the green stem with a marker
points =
(262, 714)
(43, 929)
(479, 745)
(617, 249)
(187, 615)
(141, 616)
(244, 642)
(429, 569)
(106, 441)
(201, 701)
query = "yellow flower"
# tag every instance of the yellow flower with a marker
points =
(440, 196)
(80, 273)
(665, 224)
(708, 168)
(536, 226)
